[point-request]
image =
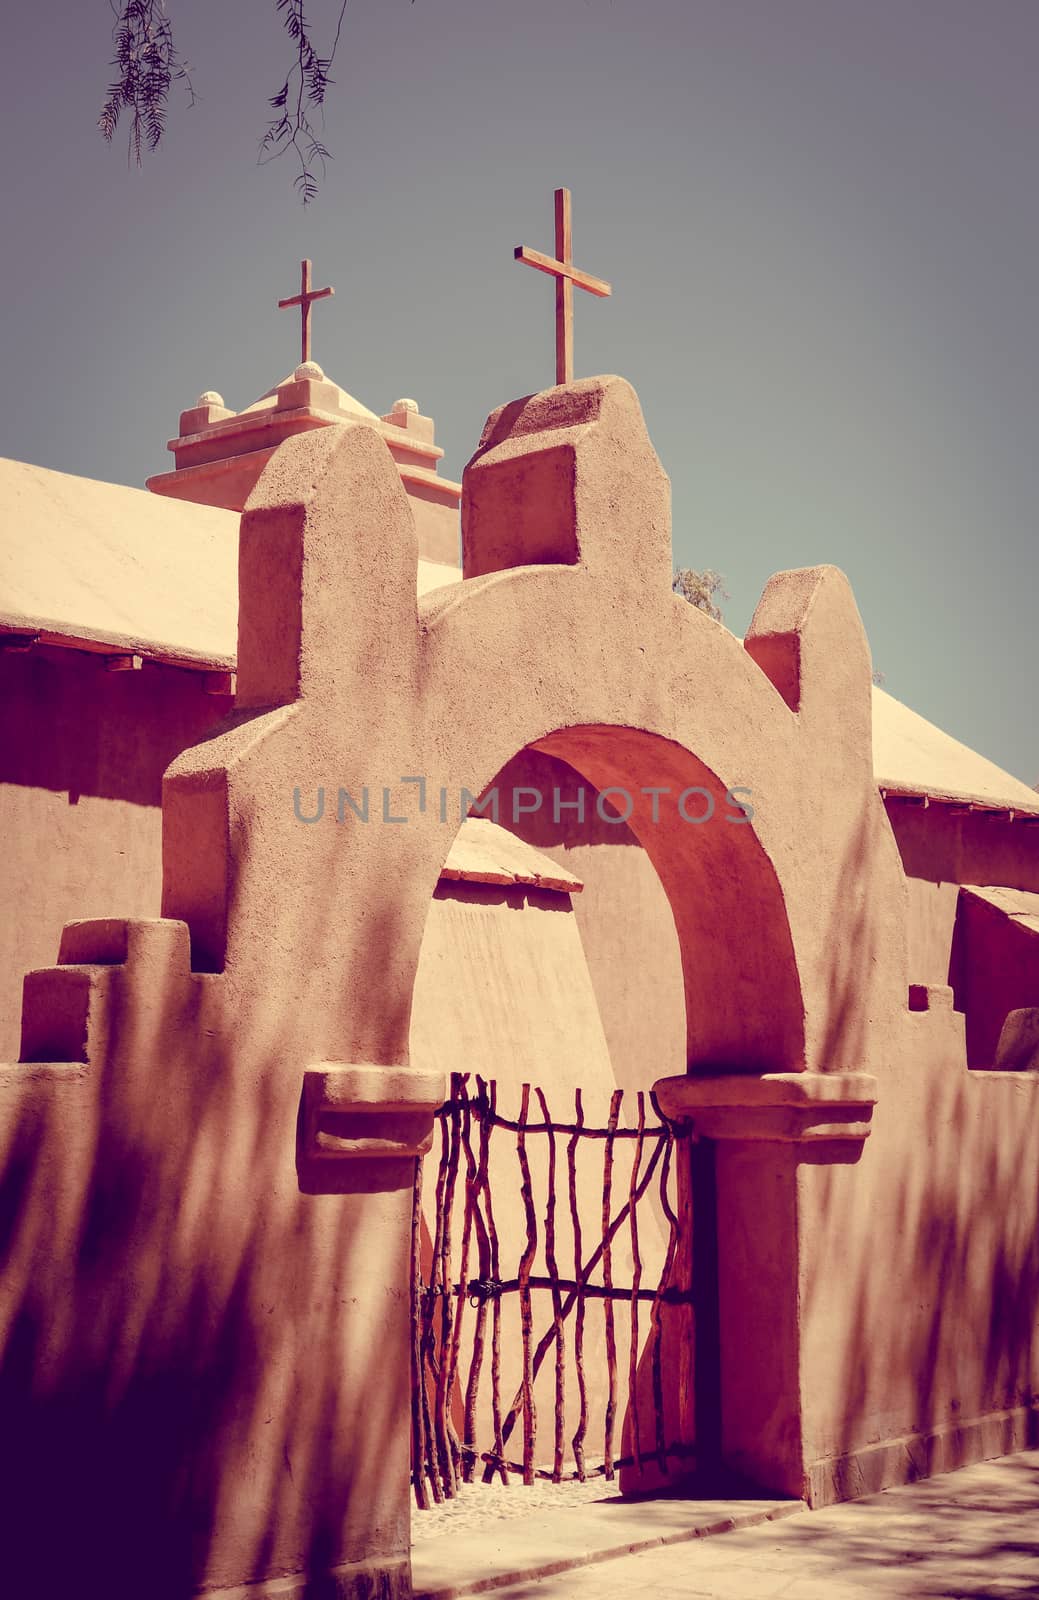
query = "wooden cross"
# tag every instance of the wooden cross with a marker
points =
(566, 275)
(304, 299)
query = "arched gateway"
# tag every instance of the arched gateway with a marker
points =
(265, 1085)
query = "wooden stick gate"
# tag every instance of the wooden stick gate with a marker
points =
(446, 1387)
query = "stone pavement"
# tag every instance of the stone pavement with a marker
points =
(971, 1534)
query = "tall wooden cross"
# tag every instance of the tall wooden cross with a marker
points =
(566, 276)
(304, 300)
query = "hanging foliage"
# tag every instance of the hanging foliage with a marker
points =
(148, 63)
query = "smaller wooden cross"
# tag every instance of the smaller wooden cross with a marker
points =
(566, 275)
(304, 300)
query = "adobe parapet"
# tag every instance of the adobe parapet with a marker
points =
(220, 453)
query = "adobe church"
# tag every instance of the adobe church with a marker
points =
(468, 1015)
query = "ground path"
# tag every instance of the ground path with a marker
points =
(972, 1534)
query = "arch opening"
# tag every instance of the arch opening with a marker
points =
(515, 989)
(742, 993)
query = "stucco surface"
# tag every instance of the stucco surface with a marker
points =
(931, 920)
(626, 924)
(502, 989)
(220, 454)
(919, 1276)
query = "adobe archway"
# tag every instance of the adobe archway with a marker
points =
(566, 622)
(746, 1006)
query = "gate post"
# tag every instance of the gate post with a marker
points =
(752, 1133)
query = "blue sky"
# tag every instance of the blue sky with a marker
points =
(820, 219)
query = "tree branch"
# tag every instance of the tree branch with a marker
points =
(147, 63)
(307, 82)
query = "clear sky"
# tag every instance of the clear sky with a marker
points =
(820, 218)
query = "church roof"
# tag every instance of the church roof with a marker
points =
(484, 852)
(914, 758)
(97, 564)
(1020, 905)
(107, 568)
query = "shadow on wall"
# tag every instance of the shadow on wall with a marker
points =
(82, 752)
(993, 967)
(176, 1315)
(69, 725)
(921, 1264)
(623, 914)
(923, 1294)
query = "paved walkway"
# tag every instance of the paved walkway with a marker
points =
(972, 1534)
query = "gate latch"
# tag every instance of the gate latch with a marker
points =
(480, 1289)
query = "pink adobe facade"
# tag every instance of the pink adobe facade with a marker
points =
(210, 1137)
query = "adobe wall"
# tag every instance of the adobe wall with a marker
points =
(82, 753)
(930, 923)
(991, 962)
(626, 925)
(920, 1273)
(994, 969)
(502, 989)
(436, 525)
(908, 1331)
(939, 845)
(178, 1313)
